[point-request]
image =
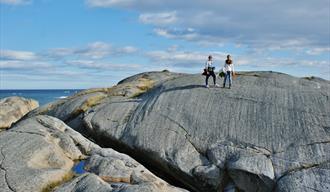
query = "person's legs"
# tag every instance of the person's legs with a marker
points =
(225, 79)
(229, 78)
(214, 77)
(207, 80)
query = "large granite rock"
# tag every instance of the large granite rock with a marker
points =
(38, 154)
(271, 131)
(71, 109)
(13, 109)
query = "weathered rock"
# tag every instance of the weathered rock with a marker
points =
(87, 182)
(71, 109)
(306, 179)
(125, 173)
(38, 154)
(250, 135)
(14, 108)
(40, 151)
(248, 166)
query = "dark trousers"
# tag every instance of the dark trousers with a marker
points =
(211, 73)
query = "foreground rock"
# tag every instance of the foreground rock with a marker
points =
(13, 109)
(271, 131)
(38, 154)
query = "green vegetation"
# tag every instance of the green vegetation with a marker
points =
(51, 186)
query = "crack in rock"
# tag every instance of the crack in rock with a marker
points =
(186, 134)
(2, 168)
(303, 167)
(301, 145)
(26, 132)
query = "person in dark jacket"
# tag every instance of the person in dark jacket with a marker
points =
(209, 68)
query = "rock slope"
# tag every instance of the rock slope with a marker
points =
(270, 132)
(38, 154)
(13, 109)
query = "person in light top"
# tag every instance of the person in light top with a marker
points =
(209, 68)
(228, 69)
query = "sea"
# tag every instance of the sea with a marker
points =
(43, 96)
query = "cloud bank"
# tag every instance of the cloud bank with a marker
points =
(260, 24)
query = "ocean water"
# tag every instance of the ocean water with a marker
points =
(42, 96)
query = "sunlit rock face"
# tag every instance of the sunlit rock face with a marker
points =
(270, 131)
(14, 108)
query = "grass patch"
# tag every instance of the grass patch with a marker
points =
(143, 86)
(91, 102)
(51, 186)
(137, 94)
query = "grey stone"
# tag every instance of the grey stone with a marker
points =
(248, 166)
(86, 183)
(14, 108)
(70, 109)
(38, 153)
(263, 124)
(115, 167)
(306, 179)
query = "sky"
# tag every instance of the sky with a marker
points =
(78, 44)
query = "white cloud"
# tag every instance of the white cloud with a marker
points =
(195, 60)
(92, 64)
(95, 50)
(158, 18)
(60, 52)
(184, 59)
(254, 23)
(318, 51)
(17, 55)
(20, 65)
(108, 3)
(15, 2)
(127, 50)
(188, 34)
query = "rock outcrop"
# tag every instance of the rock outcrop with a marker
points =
(39, 153)
(270, 132)
(13, 109)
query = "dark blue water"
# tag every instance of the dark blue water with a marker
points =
(79, 167)
(42, 96)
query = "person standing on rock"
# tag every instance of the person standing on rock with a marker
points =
(228, 69)
(210, 72)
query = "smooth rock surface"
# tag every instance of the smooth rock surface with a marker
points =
(71, 109)
(38, 154)
(87, 182)
(14, 108)
(268, 125)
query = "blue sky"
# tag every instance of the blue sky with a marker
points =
(48, 44)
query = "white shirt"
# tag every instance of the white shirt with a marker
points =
(228, 67)
(208, 64)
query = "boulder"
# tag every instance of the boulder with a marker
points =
(39, 153)
(72, 109)
(314, 178)
(14, 108)
(260, 135)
